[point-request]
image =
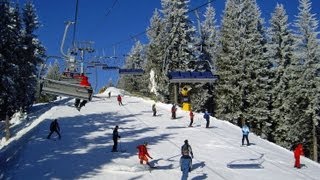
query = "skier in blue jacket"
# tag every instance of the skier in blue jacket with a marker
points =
(245, 134)
(206, 116)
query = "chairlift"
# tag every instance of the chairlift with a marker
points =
(131, 71)
(69, 82)
(192, 77)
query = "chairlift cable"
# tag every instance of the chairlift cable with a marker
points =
(114, 3)
(75, 24)
(144, 32)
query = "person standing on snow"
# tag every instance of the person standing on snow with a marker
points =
(143, 154)
(206, 116)
(154, 110)
(115, 137)
(173, 111)
(119, 99)
(186, 149)
(109, 94)
(191, 118)
(185, 166)
(54, 127)
(298, 151)
(245, 134)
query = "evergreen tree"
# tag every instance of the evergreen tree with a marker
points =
(176, 37)
(32, 54)
(242, 67)
(135, 60)
(9, 45)
(201, 94)
(154, 51)
(280, 52)
(304, 109)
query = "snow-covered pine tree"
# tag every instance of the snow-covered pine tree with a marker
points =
(305, 109)
(154, 52)
(201, 94)
(177, 37)
(135, 60)
(228, 67)
(242, 66)
(31, 54)
(280, 53)
(10, 36)
(256, 69)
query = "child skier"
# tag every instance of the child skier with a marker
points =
(154, 110)
(143, 154)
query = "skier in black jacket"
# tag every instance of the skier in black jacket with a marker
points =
(54, 127)
(115, 137)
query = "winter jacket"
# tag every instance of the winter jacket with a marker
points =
(115, 134)
(84, 81)
(119, 98)
(245, 130)
(191, 115)
(173, 109)
(143, 150)
(298, 151)
(54, 126)
(206, 116)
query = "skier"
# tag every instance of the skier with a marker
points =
(245, 134)
(173, 111)
(109, 94)
(154, 110)
(119, 100)
(54, 127)
(191, 118)
(185, 166)
(115, 137)
(206, 116)
(143, 154)
(298, 151)
(85, 83)
(186, 149)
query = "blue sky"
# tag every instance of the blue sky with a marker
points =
(126, 19)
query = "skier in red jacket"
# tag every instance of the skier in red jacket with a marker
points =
(143, 154)
(119, 100)
(85, 83)
(298, 151)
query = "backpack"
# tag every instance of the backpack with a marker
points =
(185, 149)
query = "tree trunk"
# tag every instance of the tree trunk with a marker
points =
(7, 126)
(314, 141)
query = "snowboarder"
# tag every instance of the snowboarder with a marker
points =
(245, 134)
(143, 154)
(298, 151)
(185, 166)
(173, 111)
(119, 100)
(206, 116)
(54, 127)
(191, 118)
(154, 110)
(115, 137)
(85, 83)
